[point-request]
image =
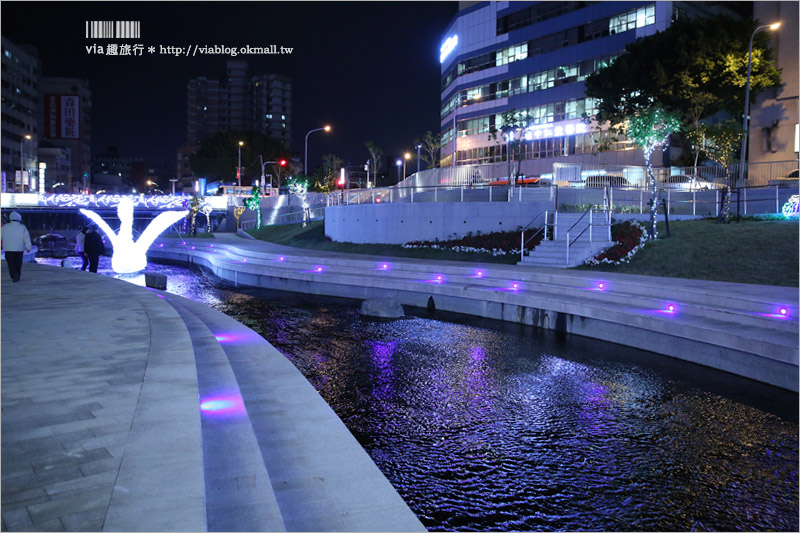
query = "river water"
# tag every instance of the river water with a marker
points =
(483, 425)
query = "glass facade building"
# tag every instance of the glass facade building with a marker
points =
(528, 62)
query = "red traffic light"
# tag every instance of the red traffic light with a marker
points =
(340, 182)
(282, 162)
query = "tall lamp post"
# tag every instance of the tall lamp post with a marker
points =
(419, 147)
(327, 128)
(21, 163)
(239, 168)
(745, 126)
(406, 157)
(399, 162)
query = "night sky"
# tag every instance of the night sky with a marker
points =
(370, 69)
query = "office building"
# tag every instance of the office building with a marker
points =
(66, 123)
(775, 118)
(21, 115)
(240, 102)
(531, 59)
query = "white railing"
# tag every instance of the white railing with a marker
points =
(590, 212)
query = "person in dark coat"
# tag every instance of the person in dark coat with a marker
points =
(93, 248)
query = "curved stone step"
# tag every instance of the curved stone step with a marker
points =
(239, 494)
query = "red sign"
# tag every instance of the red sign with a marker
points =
(62, 116)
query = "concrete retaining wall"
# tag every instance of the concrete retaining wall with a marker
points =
(404, 222)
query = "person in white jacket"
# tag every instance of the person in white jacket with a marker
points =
(15, 239)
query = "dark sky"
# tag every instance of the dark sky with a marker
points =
(370, 69)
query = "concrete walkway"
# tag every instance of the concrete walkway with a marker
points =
(102, 431)
(735, 327)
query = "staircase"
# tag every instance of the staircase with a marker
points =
(584, 243)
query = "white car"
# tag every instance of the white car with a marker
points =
(683, 182)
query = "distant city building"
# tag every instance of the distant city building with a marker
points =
(532, 58)
(239, 101)
(66, 123)
(116, 174)
(57, 169)
(21, 114)
(775, 118)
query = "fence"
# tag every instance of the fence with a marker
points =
(593, 175)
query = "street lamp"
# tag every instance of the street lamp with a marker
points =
(327, 128)
(406, 157)
(239, 168)
(398, 163)
(173, 180)
(419, 147)
(21, 164)
(745, 127)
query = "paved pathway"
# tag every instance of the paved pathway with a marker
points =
(101, 429)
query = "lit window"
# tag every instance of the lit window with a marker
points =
(283, 117)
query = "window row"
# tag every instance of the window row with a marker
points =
(635, 18)
(586, 143)
(538, 81)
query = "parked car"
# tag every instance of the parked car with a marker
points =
(606, 180)
(684, 182)
(789, 180)
(54, 245)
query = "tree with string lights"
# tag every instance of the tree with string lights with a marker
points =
(254, 203)
(649, 129)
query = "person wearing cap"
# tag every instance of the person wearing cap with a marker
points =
(93, 247)
(15, 238)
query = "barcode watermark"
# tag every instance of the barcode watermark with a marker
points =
(113, 29)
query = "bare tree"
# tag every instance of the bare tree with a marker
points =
(375, 159)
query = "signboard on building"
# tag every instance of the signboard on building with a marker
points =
(62, 116)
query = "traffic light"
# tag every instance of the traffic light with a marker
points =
(340, 182)
(282, 162)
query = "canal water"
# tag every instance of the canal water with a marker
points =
(483, 425)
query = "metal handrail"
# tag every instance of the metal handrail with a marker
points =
(524, 242)
(589, 227)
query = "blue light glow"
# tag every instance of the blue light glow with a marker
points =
(791, 208)
(447, 47)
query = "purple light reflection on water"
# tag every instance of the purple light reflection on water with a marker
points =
(383, 375)
(468, 421)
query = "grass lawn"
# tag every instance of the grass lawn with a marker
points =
(313, 237)
(764, 252)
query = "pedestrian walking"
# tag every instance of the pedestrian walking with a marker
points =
(93, 247)
(80, 240)
(15, 239)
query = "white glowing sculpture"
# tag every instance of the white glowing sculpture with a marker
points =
(131, 256)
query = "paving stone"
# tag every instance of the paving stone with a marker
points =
(74, 502)
(49, 525)
(17, 519)
(89, 520)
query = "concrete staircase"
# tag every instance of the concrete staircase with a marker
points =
(553, 253)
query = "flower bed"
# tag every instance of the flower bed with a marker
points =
(630, 237)
(499, 243)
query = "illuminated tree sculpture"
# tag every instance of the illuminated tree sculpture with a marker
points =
(206, 208)
(299, 188)
(254, 203)
(130, 256)
(237, 212)
(194, 207)
(650, 129)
